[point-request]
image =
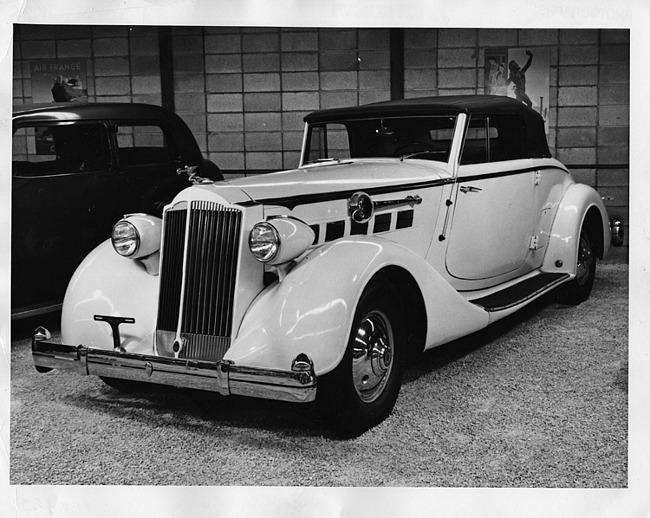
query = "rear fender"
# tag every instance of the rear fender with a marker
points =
(579, 202)
(311, 310)
(108, 284)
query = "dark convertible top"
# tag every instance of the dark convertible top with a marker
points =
(447, 105)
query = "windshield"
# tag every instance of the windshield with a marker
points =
(426, 138)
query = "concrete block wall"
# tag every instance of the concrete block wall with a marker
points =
(245, 91)
(259, 83)
(122, 63)
(589, 93)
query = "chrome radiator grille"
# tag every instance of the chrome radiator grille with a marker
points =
(197, 280)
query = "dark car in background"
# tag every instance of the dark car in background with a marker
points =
(76, 169)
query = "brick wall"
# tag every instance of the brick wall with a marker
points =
(244, 91)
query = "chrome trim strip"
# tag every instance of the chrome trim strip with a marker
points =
(223, 377)
(291, 202)
(509, 172)
(409, 200)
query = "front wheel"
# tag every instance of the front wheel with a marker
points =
(580, 288)
(361, 391)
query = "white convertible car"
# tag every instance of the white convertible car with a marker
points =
(408, 224)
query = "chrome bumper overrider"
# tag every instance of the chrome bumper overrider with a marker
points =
(617, 231)
(224, 377)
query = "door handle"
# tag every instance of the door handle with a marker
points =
(470, 188)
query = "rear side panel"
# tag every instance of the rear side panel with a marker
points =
(562, 250)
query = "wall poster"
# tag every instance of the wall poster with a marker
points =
(58, 80)
(520, 73)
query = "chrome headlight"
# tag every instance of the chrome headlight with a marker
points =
(137, 236)
(264, 242)
(279, 240)
(125, 238)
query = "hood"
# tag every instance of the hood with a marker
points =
(329, 178)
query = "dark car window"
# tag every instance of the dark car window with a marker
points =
(58, 149)
(493, 139)
(392, 137)
(144, 144)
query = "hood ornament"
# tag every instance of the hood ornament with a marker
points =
(189, 170)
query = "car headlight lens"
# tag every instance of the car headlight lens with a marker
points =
(264, 242)
(125, 238)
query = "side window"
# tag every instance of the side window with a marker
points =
(143, 144)
(477, 143)
(317, 144)
(507, 143)
(328, 141)
(58, 149)
(493, 139)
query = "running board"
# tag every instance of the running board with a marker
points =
(519, 293)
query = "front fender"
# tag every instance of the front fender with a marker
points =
(311, 310)
(106, 283)
(561, 254)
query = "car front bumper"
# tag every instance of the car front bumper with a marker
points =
(226, 378)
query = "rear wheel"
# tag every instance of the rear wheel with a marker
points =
(361, 391)
(580, 288)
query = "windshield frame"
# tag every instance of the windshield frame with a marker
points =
(309, 128)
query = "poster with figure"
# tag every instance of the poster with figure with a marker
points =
(59, 80)
(496, 71)
(529, 78)
(520, 73)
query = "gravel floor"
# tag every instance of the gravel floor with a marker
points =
(539, 400)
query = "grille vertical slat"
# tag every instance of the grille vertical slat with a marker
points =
(197, 260)
(210, 269)
(206, 293)
(171, 271)
(218, 279)
(211, 292)
(230, 267)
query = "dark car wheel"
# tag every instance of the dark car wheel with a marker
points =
(580, 288)
(361, 391)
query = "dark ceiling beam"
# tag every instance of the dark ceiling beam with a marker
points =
(397, 64)
(166, 53)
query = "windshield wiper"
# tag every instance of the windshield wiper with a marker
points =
(440, 155)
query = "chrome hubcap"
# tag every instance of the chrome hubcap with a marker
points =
(372, 356)
(585, 259)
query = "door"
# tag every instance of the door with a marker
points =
(60, 177)
(493, 213)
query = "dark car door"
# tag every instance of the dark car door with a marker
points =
(60, 175)
(148, 158)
